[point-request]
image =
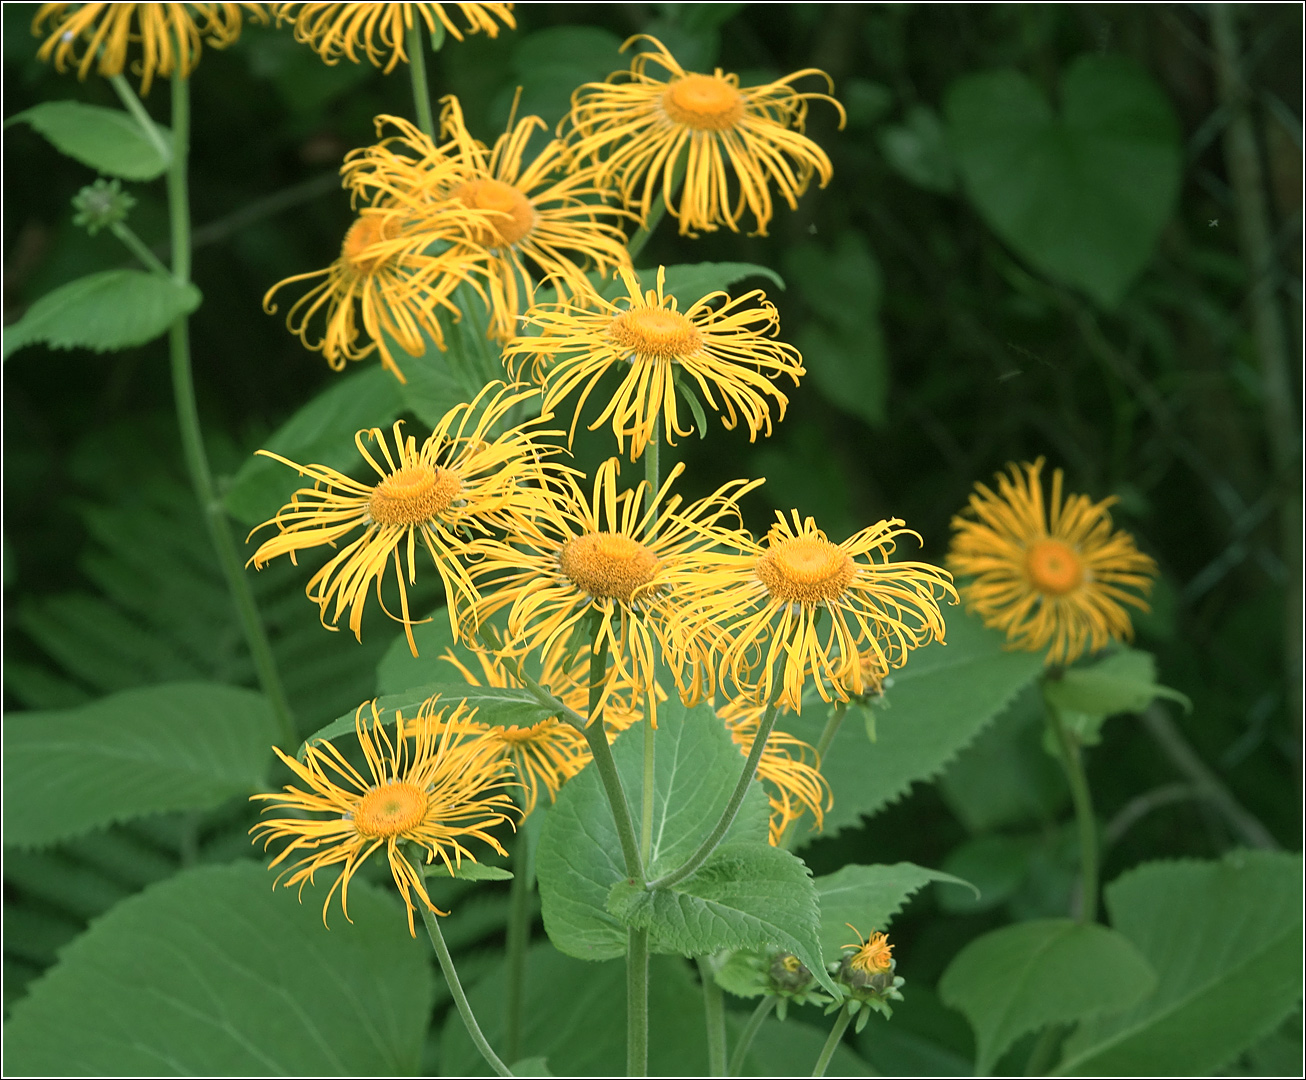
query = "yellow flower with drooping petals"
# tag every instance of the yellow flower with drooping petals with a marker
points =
(733, 144)
(873, 956)
(724, 346)
(431, 786)
(1054, 575)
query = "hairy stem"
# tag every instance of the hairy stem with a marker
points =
(714, 1011)
(750, 1031)
(636, 1002)
(836, 1033)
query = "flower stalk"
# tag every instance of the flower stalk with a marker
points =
(1073, 762)
(417, 73)
(745, 1043)
(714, 1011)
(836, 1034)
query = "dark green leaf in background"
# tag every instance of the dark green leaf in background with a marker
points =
(1082, 192)
(108, 140)
(186, 746)
(918, 149)
(213, 973)
(1123, 682)
(114, 309)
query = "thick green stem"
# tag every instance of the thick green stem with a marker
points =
(611, 779)
(836, 1033)
(417, 73)
(518, 938)
(727, 819)
(750, 1031)
(1073, 763)
(714, 1011)
(636, 1002)
(188, 420)
(456, 989)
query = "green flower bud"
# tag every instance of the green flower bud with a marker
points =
(101, 203)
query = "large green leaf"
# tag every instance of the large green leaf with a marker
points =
(746, 896)
(320, 433)
(1225, 939)
(107, 140)
(867, 898)
(186, 746)
(114, 309)
(214, 973)
(1125, 681)
(695, 769)
(931, 709)
(1084, 194)
(1022, 977)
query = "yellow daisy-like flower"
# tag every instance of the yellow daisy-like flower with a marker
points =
(724, 345)
(603, 559)
(462, 480)
(873, 956)
(336, 30)
(788, 767)
(383, 274)
(544, 215)
(430, 786)
(171, 36)
(642, 130)
(1055, 575)
(801, 607)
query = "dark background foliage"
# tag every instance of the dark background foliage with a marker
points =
(946, 355)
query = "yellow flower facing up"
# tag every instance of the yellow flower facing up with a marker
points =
(431, 786)
(384, 277)
(801, 607)
(1054, 575)
(170, 36)
(600, 558)
(733, 143)
(540, 217)
(461, 481)
(873, 956)
(725, 346)
(336, 30)
(789, 768)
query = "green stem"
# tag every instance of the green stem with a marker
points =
(823, 744)
(636, 1002)
(137, 247)
(611, 779)
(519, 934)
(714, 1010)
(150, 129)
(192, 440)
(836, 1033)
(417, 73)
(1073, 763)
(727, 819)
(456, 988)
(652, 478)
(750, 1031)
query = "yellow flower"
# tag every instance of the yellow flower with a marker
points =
(598, 562)
(642, 131)
(335, 30)
(873, 956)
(800, 607)
(431, 787)
(384, 275)
(1056, 576)
(170, 35)
(460, 481)
(794, 783)
(722, 344)
(544, 214)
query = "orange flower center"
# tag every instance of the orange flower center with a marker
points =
(806, 570)
(875, 956)
(704, 102)
(1054, 567)
(606, 564)
(500, 231)
(366, 232)
(655, 332)
(413, 494)
(391, 810)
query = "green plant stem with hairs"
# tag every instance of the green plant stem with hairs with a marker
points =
(188, 420)
(715, 1012)
(832, 1043)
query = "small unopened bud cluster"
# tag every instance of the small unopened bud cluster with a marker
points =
(101, 204)
(866, 973)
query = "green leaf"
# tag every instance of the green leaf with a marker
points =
(549, 64)
(185, 746)
(1082, 195)
(470, 871)
(746, 896)
(690, 282)
(108, 140)
(579, 860)
(320, 433)
(400, 670)
(1022, 977)
(868, 897)
(996, 864)
(1225, 939)
(214, 973)
(931, 709)
(1124, 682)
(790, 1048)
(114, 309)
(502, 706)
(918, 149)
